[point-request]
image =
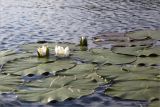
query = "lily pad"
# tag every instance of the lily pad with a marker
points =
(118, 73)
(148, 61)
(114, 58)
(151, 52)
(6, 56)
(128, 50)
(58, 88)
(121, 40)
(144, 90)
(154, 104)
(79, 69)
(144, 34)
(141, 69)
(37, 66)
(9, 83)
(86, 56)
(126, 77)
(82, 72)
(138, 51)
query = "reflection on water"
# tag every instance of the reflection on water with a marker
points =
(23, 21)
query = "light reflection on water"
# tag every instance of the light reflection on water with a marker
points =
(23, 21)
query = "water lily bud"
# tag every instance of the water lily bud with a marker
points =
(61, 51)
(43, 51)
(83, 41)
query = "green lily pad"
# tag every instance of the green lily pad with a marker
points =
(118, 73)
(144, 34)
(57, 88)
(140, 35)
(128, 50)
(154, 104)
(136, 83)
(114, 58)
(141, 69)
(144, 90)
(148, 61)
(82, 72)
(121, 40)
(131, 82)
(6, 56)
(79, 69)
(9, 83)
(34, 65)
(155, 34)
(86, 56)
(138, 51)
(151, 52)
(6, 53)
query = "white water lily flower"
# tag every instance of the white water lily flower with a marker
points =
(61, 51)
(43, 51)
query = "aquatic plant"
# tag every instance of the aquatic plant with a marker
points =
(43, 51)
(83, 44)
(83, 41)
(133, 71)
(61, 51)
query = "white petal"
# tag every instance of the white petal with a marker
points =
(61, 51)
(39, 51)
(44, 50)
(83, 38)
(66, 51)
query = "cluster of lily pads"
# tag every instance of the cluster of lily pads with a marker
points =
(132, 65)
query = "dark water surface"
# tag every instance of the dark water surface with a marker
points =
(24, 21)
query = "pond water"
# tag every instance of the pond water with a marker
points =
(24, 21)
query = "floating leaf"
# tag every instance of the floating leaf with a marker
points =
(114, 58)
(138, 51)
(128, 50)
(34, 65)
(148, 61)
(87, 56)
(139, 35)
(151, 52)
(83, 71)
(155, 103)
(144, 90)
(58, 88)
(6, 56)
(144, 34)
(80, 69)
(141, 69)
(9, 83)
(132, 82)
